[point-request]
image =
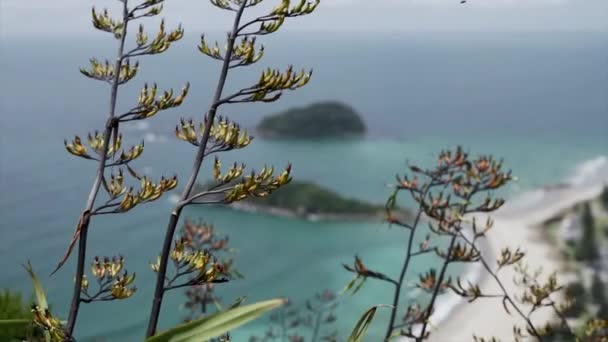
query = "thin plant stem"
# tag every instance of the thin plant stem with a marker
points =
(463, 211)
(437, 289)
(506, 295)
(315, 334)
(283, 327)
(406, 263)
(83, 225)
(204, 303)
(198, 161)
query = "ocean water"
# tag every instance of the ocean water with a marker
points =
(538, 100)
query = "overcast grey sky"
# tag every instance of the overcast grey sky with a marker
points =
(71, 17)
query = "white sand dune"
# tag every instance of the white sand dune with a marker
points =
(514, 227)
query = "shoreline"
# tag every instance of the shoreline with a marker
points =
(311, 217)
(514, 226)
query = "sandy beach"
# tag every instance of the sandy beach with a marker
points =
(514, 227)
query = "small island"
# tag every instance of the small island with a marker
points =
(309, 201)
(319, 120)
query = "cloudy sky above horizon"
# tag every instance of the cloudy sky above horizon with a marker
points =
(72, 17)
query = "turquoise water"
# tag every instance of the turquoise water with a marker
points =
(538, 101)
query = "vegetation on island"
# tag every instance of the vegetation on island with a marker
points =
(304, 198)
(301, 198)
(318, 120)
(310, 198)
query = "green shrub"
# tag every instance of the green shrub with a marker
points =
(576, 292)
(12, 306)
(604, 197)
(598, 296)
(587, 248)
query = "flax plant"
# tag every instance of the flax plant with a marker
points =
(450, 197)
(213, 135)
(444, 195)
(104, 147)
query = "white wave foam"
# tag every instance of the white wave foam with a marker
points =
(590, 171)
(526, 199)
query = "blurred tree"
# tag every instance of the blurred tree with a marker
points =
(587, 248)
(203, 236)
(604, 197)
(576, 292)
(598, 296)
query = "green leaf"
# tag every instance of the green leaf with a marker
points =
(216, 324)
(350, 285)
(40, 295)
(237, 302)
(38, 290)
(13, 323)
(359, 286)
(364, 323)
